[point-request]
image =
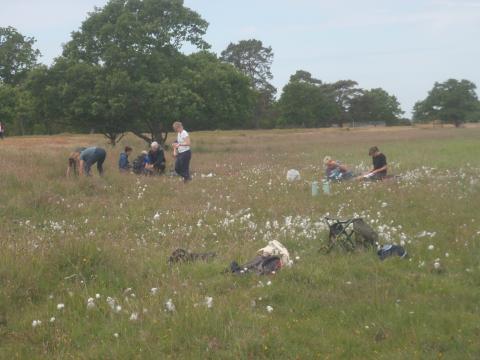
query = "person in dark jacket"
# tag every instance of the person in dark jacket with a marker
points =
(156, 159)
(123, 163)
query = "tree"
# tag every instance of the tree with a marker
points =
(226, 100)
(140, 40)
(343, 92)
(254, 60)
(17, 55)
(305, 101)
(451, 101)
(375, 105)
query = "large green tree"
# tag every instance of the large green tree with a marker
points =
(17, 55)
(306, 102)
(138, 42)
(451, 102)
(377, 106)
(254, 60)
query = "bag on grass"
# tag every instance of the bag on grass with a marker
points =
(261, 265)
(276, 248)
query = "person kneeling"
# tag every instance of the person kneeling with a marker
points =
(379, 171)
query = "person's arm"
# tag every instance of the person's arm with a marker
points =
(383, 168)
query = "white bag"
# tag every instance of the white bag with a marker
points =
(275, 248)
(293, 175)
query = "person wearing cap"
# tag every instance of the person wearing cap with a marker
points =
(334, 170)
(182, 151)
(380, 167)
(156, 159)
(82, 159)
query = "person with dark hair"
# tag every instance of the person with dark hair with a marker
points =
(182, 151)
(156, 160)
(82, 159)
(123, 163)
(379, 171)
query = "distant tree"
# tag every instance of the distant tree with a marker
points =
(375, 105)
(306, 102)
(17, 55)
(7, 105)
(226, 100)
(451, 101)
(343, 92)
(254, 59)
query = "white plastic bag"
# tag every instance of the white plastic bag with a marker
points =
(293, 175)
(275, 248)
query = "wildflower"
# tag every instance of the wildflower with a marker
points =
(436, 264)
(447, 254)
(36, 323)
(269, 309)
(134, 316)
(154, 291)
(52, 319)
(116, 335)
(90, 303)
(169, 305)
(384, 204)
(97, 296)
(60, 306)
(209, 302)
(269, 283)
(156, 216)
(431, 247)
(118, 308)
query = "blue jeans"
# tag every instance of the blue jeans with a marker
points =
(98, 157)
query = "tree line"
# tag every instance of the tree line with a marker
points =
(124, 71)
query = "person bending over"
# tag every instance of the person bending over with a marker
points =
(82, 159)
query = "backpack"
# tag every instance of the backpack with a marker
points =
(364, 234)
(261, 265)
(137, 165)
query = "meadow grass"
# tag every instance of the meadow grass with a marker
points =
(64, 240)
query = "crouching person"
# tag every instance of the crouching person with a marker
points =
(123, 163)
(155, 162)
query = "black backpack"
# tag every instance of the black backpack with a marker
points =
(261, 265)
(137, 165)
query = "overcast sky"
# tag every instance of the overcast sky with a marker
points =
(403, 46)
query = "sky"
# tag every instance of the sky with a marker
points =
(402, 46)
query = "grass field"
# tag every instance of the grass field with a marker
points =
(64, 241)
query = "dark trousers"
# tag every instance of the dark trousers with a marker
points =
(98, 157)
(182, 165)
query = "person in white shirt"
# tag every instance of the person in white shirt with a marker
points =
(182, 151)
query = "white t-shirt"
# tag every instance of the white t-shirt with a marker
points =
(181, 141)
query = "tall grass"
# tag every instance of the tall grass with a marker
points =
(65, 240)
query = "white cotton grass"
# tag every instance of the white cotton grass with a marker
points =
(156, 216)
(36, 323)
(52, 319)
(431, 247)
(90, 304)
(269, 309)
(60, 306)
(170, 306)
(154, 291)
(208, 302)
(134, 316)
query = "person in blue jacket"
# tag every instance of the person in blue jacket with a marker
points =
(123, 163)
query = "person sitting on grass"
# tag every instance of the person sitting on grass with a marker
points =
(123, 163)
(379, 171)
(335, 171)
(155, 163)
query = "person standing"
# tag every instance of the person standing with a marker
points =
(183, 152)
(2, 130)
